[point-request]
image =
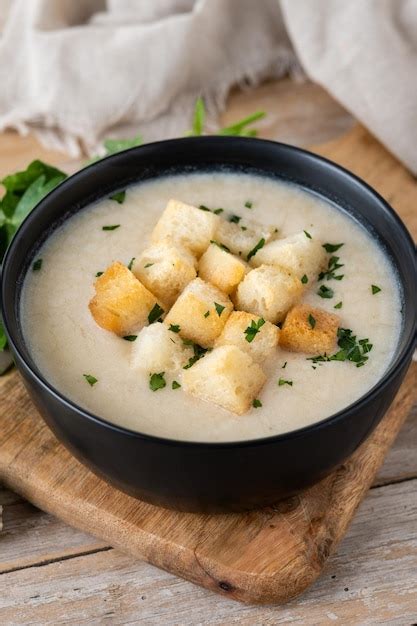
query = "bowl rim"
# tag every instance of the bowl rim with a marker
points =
(363, 400)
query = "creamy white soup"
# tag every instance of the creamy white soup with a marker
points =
(66, 343)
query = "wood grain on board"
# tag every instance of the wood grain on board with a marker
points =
(270, 555)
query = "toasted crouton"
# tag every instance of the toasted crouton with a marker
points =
(121, 304)
(165, 269)
(159, 349)
(227, 377)
(186, 225)
(268, 292)
(298, 253)
(201, 311)
(241, 239)
(220, 268)
(259, 341)
(308, 329)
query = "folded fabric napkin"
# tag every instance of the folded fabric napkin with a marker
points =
(77, 71)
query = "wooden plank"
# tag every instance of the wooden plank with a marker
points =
(372, 580)
(401, 461)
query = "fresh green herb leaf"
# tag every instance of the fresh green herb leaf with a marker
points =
(240, 128)
(338, 305)
(282, 382)
(207, 313)
(130, 337)
(155, 313)
(332, 266)
(304, 279)
(92, 380)
(148, 265)
(258, 246)
(350, 349)
(119, 196)
(130, 264)
(203, 207)
(325, 292)
(375, 289)
(3, 340)
(218, 211)
(307, 234)
(253, 329)
(157, 381)
(175, 385)
(243, 228)
(219, 308)
(284, 366)
(99, 274)
(112, 227)
(199, 352)
(248, 204)
(311, 321)
(175, 328)
(220, 245)
(235, 219)
(332, 247)
(113, 146)
(36, 266)
(198, 118)
(256, 403)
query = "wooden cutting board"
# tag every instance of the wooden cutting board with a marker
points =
(269, 555)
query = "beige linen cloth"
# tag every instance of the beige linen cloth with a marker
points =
(78, 70)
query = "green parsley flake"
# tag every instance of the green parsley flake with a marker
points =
(175, 385)
(130, 264)
(175, 328)
(338, 305)
(350, 349)
(218, 211)
(282, 382)
(220, 245)
(332, 266)
(130, 337)
(256, 403)
(148, 265)
(112, 227)
(92, 380)
(284, 366)
(253, 329)
(219, 308)
(37, 265)
(325, 292)
(235, 219)
(207, 313)
(311, 321)
(99, 274)
(119, 197)
(199, 352)
(307, 234)
(155, 314)
(157, 381)
(243, 228)
(304, 279)
(332, 247)
(203, 207)
(258, 246)
(375, 289)
(248, 204)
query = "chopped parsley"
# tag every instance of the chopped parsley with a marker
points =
(282, 382)
(37, 265)
(307, 234)
(219, 308)
(243, 228)
(175, 328)
(332, 247)
(325, 292)
(311, 320)
(350, 349)
(256, 403)
(119, 197)
(375, 289)
(99, 274)
(155, 313)
(220, 245)
(203, 207)
(235, 219)
(284, 366)
(258, 246)
(175, 385)
(92, 380)
(199, 352)
(304, 279)
(148, 265)
(157, 381)
(332, 266)
(130, 264)
(218, 211)
(248, 204)
(130, 337)
(253, 329)
(111, 227)
(207, 313)
(338, 305)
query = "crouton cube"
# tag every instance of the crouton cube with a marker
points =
(298, 254)
(251, 334)
(157, 349)
(241, 239)
(122, 304)
(227, 377)
(268, 292)
(201, 311)
(186, 225)
(165, 269)
(220, 268)
(308, 329)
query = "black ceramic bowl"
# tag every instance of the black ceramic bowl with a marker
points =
(213, 476)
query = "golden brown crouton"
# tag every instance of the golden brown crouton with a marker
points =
(201, 312)
(251, 334)
(220, 268)
(227, 377)
(308, 329)
(121, 304)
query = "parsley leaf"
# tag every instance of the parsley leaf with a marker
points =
(99, 274)
(112, 146)
(338, 305)
(282, 382)
(307, 234)
(219, 308)
(130, 337)
(350, 349)
(220, 245)
(199, 352)
(207, 313)
(311, 321)
(175, 328)
(375, 289)
(256, 403)
(248, 204)
(198, 118)
(157, 381)
(130, 264)
(175, 385)
(253, 329)
(325, 292)
(235, 219)
(332, 247)
(36, 266)
(304, 279)
(148, 265)
(240, 128)
(258, 246)
(203, 207)
(332, 266)
(92, 380)
(112, 227)
(119, 196)
(155, 313)
(218, 211)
